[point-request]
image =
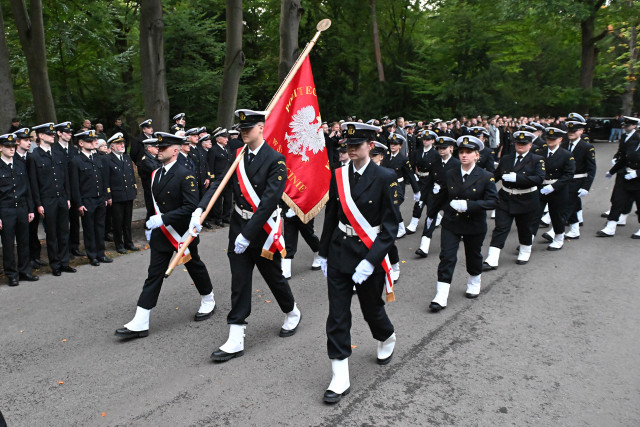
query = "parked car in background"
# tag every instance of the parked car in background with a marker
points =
(599, 128)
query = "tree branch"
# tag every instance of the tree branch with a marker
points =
(600, 36)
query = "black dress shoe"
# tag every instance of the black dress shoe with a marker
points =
(56, 272)
(487, 267)
(77, 252)
(226, 221)
(68, 269)
(34, 265)
(13, 282)
(132, 248)
(219, 223)
(207, 225)
(604, 215)
(223, 356)
(290, 332)
(204, 316)
(520, 262)
(547, 237)
(94, 262)
(105, 259)
(108, 237)
(333, 397)
(435, 307)
(635, 236)
(543, 224)
(28, 277)
(126, 333)
(471, 296)
(39, 261)
(551, 248)
(601, 233)
(384, 361)
(121, 251)
(421, 253)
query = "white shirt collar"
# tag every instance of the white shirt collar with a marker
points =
(463, 172)
(361, 170)
(184, 154)
(426, 150)
(168, 166)
(523, 155)
(10, 162)
(255, 152)
(85, 153)
(446, 161)
(221, 146)
(553, 151)
(629, 134)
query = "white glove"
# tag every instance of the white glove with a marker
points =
(429, 221)
(547, 189)
(323, 265)
(363, 271)
(607, 175)
(241, 244)
(154, 222)
(290, 213)
(459, 205)
(582, 192)
(436, 188)
(195, 223)
(631, 175)
(147, 234)
(416, 177)
(509, 177)
(613, 162)
(416, 197)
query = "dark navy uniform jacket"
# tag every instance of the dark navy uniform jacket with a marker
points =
(529, 173)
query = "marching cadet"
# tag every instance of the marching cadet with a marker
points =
(585, 158)
(179, 124)
(487, 154)
(402, 166)
(199, 159)
(521, 173)
(467, 194)
(255, 235)
(175, 196)
(23, 141)
(16, 212)
(627, 188)
(137, 147)
(89, 181)
(49, 179)
(122, 181)
(219, 161)
(147, 164)
(423, 160)
(436, 179)
(69, 151)
(560, 168)
(292, 226)
(360, 226)
(343, 157)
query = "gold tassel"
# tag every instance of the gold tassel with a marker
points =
(391, 297)
(266, 254)
(185, 259)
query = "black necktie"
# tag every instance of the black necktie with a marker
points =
(519, 160)
(571, 146)
(251, 157)
(464, 177)
(443, 165)
(160, 175)
(91, 157)
(356, 178)
(550, 154)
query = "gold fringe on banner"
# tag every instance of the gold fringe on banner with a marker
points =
(312, 213)
(391, 297)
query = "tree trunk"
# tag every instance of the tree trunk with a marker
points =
(31, 32)
(376, 40)
(152, 66)
(233, 64)
(290, 13)
(8, 104)
(632, 78)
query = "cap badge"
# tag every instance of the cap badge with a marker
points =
(351, 130)
(242, 116)
(159, 138)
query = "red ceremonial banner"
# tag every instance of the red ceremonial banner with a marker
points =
(294, 128)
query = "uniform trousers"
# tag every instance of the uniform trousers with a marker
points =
(121, 216)
(148, 199)
(242, 277)
(624, 194)
(74, 227)
(160, 260)
(340, 291)
(574, 203)
(504, 220)
(558, 212)
(449, 244)
(34, 243)
(222, 206)
(432, 200)
(394, 257)
(93, 227)
(56, 225)
(418, 206)
(294, 225)
(15, 229)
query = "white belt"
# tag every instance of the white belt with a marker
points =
(401, 179)
(422, 174)
(517, 191)
(350, 232)
(549, 181)
(580, 175)
(243, 213)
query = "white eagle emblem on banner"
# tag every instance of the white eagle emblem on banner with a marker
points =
(307, 133)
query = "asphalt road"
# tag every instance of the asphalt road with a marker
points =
(554, 342)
